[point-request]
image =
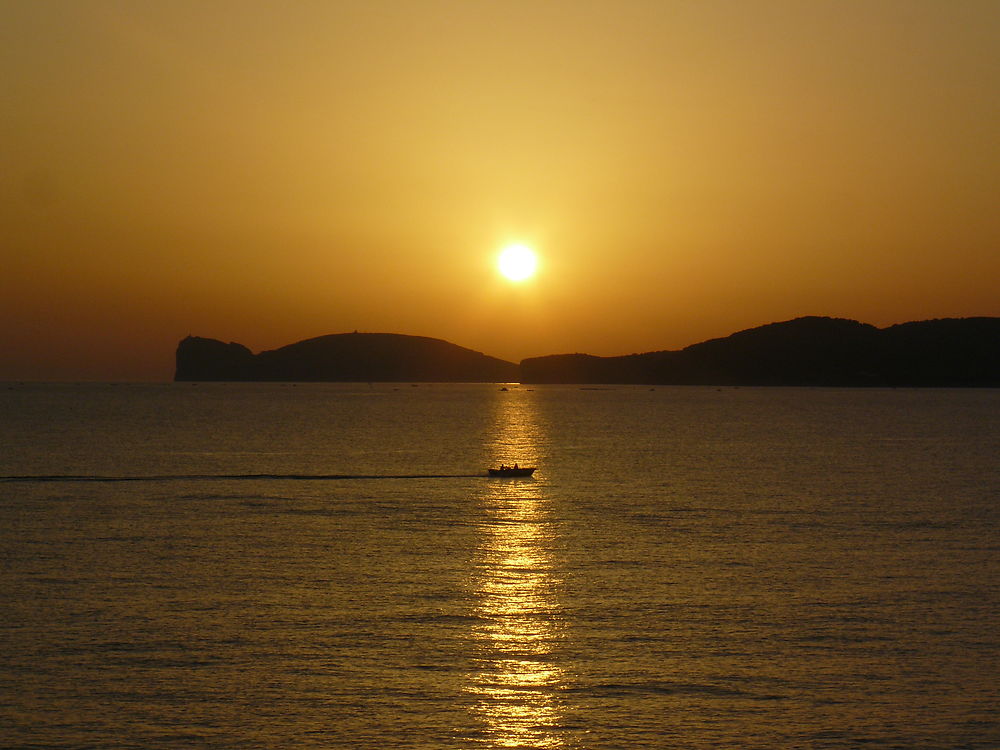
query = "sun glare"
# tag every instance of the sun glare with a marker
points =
(517, 262)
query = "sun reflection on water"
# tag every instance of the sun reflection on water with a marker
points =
(516, 680)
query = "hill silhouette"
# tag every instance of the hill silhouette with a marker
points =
(808, 351)
(350, 357)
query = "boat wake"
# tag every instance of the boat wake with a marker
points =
(225, 477)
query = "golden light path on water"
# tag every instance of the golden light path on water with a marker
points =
(515, 679)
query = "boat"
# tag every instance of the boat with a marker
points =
(512, 471)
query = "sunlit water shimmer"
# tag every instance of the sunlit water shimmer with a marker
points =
(690, 567)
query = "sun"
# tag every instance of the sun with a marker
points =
(517, 262)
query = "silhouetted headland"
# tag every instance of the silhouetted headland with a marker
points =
(809, 351)
(349, 357)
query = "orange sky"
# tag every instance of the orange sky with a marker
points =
(266, 172)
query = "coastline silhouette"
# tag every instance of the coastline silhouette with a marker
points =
(806, 351)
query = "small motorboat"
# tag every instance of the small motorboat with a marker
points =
(512, 471)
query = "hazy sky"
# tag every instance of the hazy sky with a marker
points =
(266, 172)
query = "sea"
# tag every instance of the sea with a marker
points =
(192, 565)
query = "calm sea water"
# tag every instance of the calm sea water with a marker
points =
(690, 568)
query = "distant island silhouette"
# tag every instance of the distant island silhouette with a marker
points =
(348, 357)
(807, 351)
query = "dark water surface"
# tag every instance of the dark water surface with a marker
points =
(245, 566)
